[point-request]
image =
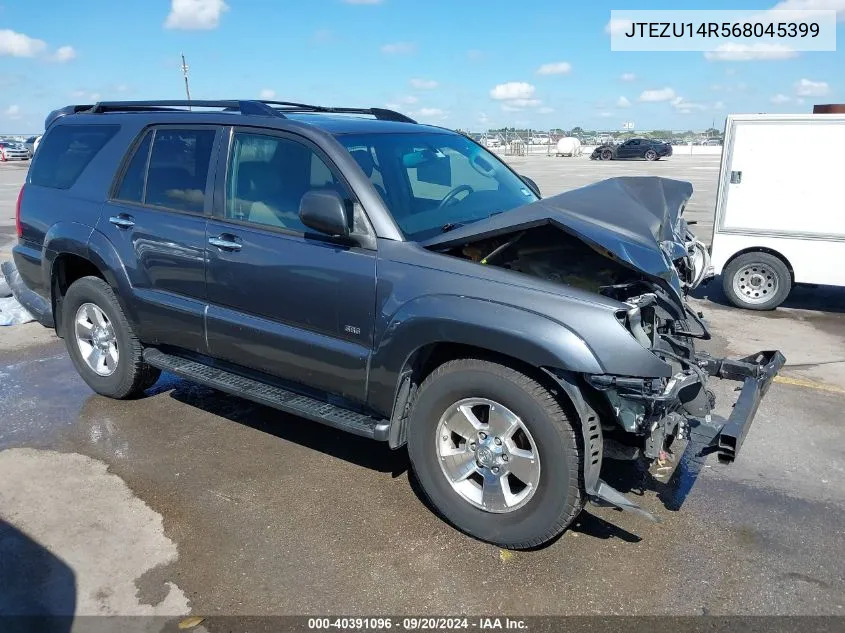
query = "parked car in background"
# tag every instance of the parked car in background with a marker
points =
(13, 151)
(32, 143)
(633, 148)
(712, 142)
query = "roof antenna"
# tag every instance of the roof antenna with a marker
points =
(185, 74)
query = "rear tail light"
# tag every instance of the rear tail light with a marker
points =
(18, 226)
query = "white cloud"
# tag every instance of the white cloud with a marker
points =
(13, 112)
(512, 90)
(780, 98)
(734, 52)
(664, 94)
(623, 102)
(475, 55)
(800, 100)
(808, 88)
(605, 115)
(267, 94)
(94, 97)
(20, 45)
(399, 48)
(682, 106)
(716, 87)
(64, 54)
(321, 36)
(555, 68)
(510, 108)
(409, 100)
(483, 119)
(423, 84)
(432, 114)
(545, 110)
(719, 105)
(195, 14)
(628, 77)
(618, 26)
(363, 1)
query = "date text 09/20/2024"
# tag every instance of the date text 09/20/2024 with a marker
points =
(417, 623)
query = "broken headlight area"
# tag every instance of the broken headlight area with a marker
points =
(651, 418)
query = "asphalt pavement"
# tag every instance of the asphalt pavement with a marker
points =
(191, 501)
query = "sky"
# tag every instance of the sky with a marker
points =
(457, 63)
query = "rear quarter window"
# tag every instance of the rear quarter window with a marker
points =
(65, 152)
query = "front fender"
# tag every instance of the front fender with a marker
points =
(512, 331)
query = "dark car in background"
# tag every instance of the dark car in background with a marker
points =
(646, 148)
(390, 279)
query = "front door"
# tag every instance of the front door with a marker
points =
(283, 300)
(628, 149)
(156, 222)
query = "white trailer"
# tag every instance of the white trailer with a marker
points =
(780, 209)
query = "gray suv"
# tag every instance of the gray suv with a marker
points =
(391, 279)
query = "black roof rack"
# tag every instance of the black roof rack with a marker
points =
(382, 114)
(250, 107)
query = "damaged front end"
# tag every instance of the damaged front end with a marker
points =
(626, 239)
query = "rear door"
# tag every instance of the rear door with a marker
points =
(283, 300)
(156, 220)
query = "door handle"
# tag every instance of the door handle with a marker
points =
(122, 221)
(225, 242)
(736, 177)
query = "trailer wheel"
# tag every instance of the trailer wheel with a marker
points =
(756, 281)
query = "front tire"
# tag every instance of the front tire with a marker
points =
(101, 342)
(756, 281)
(495, 453)
(607, 155)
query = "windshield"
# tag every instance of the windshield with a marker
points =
(434, 182)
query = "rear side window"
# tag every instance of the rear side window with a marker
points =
(178, 168)
(132, 187)
(169, 169)
(66, 151)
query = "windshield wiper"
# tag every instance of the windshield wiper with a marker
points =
(450, 225)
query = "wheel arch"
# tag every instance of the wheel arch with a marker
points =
(427, 358)
(74, 261)
(762, 249)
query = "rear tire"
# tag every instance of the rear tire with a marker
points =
(101, 342)
(545, 440)
(651, 155)
(756, 281)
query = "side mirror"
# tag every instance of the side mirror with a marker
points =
(325, 211)
(531, 185)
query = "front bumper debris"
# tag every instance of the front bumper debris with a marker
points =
(756, 373)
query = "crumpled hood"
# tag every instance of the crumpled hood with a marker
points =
(636, 219)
